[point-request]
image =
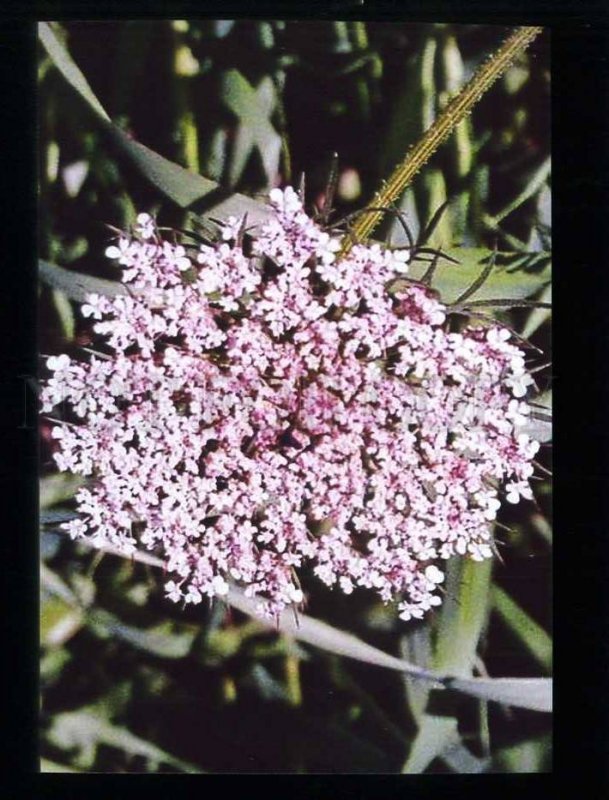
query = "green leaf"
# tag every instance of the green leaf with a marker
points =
(53, 585)
(538, 316)
(539, 427)
(59, 622)
(460, 760)
(415, 111)
(415, 646)
(50, 543)
(253, 108)
(53, 662)
(436, 734)
(532, 755)
(545, 401)
(436, 209)
(460, 146)
(61, 615)
(508, 279)
(57, 516)
(178, 184)
(535, 182)
(463, 615)
(57, 488)
(85, 731)
(532, 635)
(325, 637)
(542, 527)
(532, 693)
(52, 766)
(76, 285)
(513, 277)
(462, 619)
(68, 68)
(414, 108)
(161, 641)
(267, 686)
(65, 314)
(320, 634)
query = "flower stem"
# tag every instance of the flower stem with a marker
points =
(453, 114)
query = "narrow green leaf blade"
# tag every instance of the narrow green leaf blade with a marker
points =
(415, 646)
(539, 429)
(536, 182)
(85, 730)
(460, 760)
(178, 184)
(313, 631)
(531, 693)
(52, 766)
(324, 636)
(160, 642)
(538, 316)
(58, 487)
(435, 735)
(532, 635)
(65, 313)
(532, 755)
(463, 615)
(461, 622)
(69, 70)
(76, 285)
(513, 277)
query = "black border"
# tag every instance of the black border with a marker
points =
(580, 55)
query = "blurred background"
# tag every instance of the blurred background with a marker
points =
(133, 683)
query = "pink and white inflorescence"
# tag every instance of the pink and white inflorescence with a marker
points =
(268, 409)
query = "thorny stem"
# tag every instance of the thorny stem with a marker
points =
(501, 303)
(453, 114)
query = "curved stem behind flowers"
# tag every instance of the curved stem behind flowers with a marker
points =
(453, 114)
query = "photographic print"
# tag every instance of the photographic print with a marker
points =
(295, 397)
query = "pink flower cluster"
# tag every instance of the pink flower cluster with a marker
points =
(271, 408)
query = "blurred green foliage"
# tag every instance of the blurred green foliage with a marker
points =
(132, 683)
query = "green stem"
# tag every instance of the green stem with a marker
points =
(453, 114)
(292, 677)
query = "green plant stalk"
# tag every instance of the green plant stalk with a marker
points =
(433, 192)
(461, 144)
(186, 124)
(292, 679)
(453, 114)
(278, 81)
